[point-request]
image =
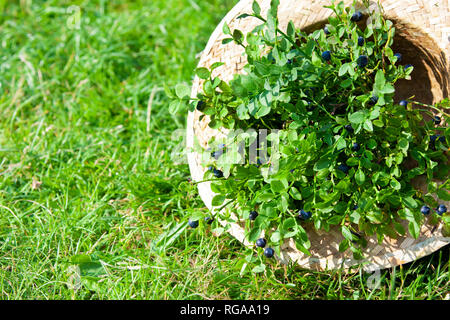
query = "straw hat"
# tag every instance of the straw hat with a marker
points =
(423, 38)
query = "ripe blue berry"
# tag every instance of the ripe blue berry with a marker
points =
(408, 66)
(373, 100)
(344, 168)
(304, 215)
(209, 220)
(399, 57)
(253, 215)
(269, 252)
(360, 41)
(261, 242)
(349, 128)
(217, 173)
(425, 210)
(356, 146)
(193, 224)
(403, 103)
(362, 61)
(433, 138)
(441, 209)
(200, 105)
(437, 120)
(355, 207)
(326, 55)
(357, 16)
(325, 29)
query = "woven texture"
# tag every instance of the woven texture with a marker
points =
(423, 38)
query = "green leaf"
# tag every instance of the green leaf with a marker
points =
(291, 29)
(340, 143)
(238, 36)
(226, 29)
(395, 184)
(323, 163)
(260, 268)
(256, 8)
(346, 83)
(216, 65)
(218, 200)
(368, 125)
(182, 91)
(443, 194)
(277, 186)
(244, 15)
(410, 202)
(275, 237)
(174, 106)
(346, 233)
(295, 194)
(343, 69)
(254, 234)
(227, 40)
(203, 73)
(379, 80)
(360, 177)
(414, 229)
(356, 117)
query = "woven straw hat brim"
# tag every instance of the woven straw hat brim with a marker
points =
(423, 38)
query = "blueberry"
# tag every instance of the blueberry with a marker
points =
(356, 146)
(360, 41)
(200, 105)
(217, 173)
(357, 16)
(403, 103)
(441, 209)
(193, 224)
(304, 215)
(253, 215)
(437, 120)
(425, 210)
(216, 154)
(373, 100)
(349, 128)
(433, 138)
(289, 61)
(326, 30)
(344, 168)
(362, 61)
(269, 252)
(355, 207)
(209, 220)
(261, 242)
(326, 55)
(408, 66)
(442, 139)
(399, 56)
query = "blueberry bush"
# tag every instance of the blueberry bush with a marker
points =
(339, 150)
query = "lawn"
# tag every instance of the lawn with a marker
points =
(87, 182)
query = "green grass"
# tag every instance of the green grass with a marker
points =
(86, 177)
